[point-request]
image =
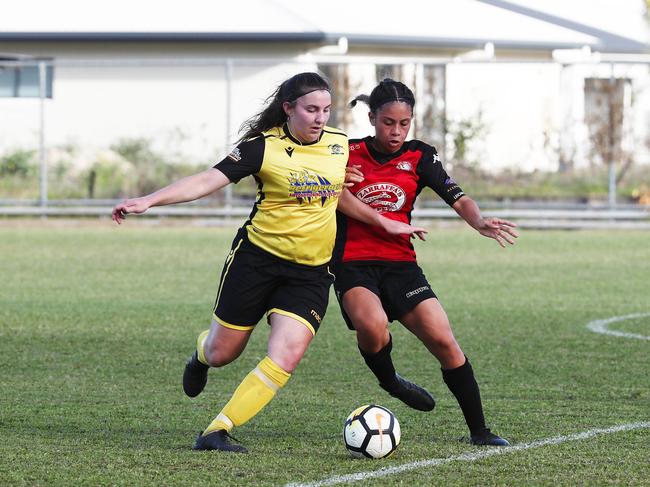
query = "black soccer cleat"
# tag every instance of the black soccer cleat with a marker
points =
(410, 394)
(195, 376)
(486, 438)
(218, 440)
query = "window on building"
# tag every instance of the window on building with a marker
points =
(22, 81)
(607, 107)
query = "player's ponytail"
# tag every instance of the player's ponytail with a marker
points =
(387, 91)
(363, 98)
(273, 114)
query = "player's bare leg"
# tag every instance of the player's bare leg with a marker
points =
(428, 321)
(219, 347)
(365, 310)
(287, 344)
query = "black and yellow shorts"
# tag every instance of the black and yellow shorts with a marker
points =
(255, 282)
(400, 286)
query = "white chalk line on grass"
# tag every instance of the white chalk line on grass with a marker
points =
(471, 457)
(600, 326)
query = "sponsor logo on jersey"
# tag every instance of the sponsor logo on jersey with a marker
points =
(436, 158)
(306, 186)
(450, 181)
(383, 196)
(289, 151)
(355, 146)
(336, 149)
(404, 166)
(235, 155)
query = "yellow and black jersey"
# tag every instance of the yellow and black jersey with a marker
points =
(294, 216)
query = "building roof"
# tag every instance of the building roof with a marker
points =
(603, 25)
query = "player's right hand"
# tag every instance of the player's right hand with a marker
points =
(395, 227)
(132, 205)
(353, 175)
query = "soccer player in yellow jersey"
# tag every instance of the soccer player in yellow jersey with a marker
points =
(278, 263)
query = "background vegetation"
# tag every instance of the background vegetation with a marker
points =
(133, 167)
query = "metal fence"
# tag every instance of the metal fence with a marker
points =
(526, 215)
(189, 111)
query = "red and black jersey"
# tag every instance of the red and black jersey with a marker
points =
(391, 184)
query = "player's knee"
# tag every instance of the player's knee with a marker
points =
(372, 339)
(290, 364)
(218, 357)
(289, 359)
(370, 325)
(446, 345)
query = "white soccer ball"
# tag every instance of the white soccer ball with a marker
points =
(371, 431)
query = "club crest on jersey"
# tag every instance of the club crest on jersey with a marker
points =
(404, 166)
(336, 149)
(382, 196)
(235, 155)
(306, 186)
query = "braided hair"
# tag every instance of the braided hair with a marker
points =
(387, 91)
(273, 114)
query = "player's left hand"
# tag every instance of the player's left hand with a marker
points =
(500, 230)
(353, 175)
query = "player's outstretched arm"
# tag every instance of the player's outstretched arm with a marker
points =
(503, 231)
(354, 208)
(187, 189)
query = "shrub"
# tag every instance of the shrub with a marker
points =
(20, 162)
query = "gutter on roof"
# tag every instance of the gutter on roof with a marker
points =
(162, 36)
(310, 37)
(442, 42)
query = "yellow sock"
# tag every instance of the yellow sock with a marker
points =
(254, 392)
(199, 347)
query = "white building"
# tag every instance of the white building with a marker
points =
(187, 74)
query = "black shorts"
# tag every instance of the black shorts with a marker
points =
(399, 285)
(254, 282)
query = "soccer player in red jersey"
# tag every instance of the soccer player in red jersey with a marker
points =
(378, 279)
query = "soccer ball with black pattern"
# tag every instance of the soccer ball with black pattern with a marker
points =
(371, 431)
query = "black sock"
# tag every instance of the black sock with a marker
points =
(462, 384)
(381, 363)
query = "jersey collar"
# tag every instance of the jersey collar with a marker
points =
(381, 157)
(295, 140)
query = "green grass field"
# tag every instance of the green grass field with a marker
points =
(97, 321)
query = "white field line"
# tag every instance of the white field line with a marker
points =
(600, 326)
(471, 457)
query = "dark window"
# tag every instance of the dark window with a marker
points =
(22, 81)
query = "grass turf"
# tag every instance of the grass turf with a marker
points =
(97, 322)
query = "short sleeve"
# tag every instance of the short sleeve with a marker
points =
(244, 160)
(431, 174)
